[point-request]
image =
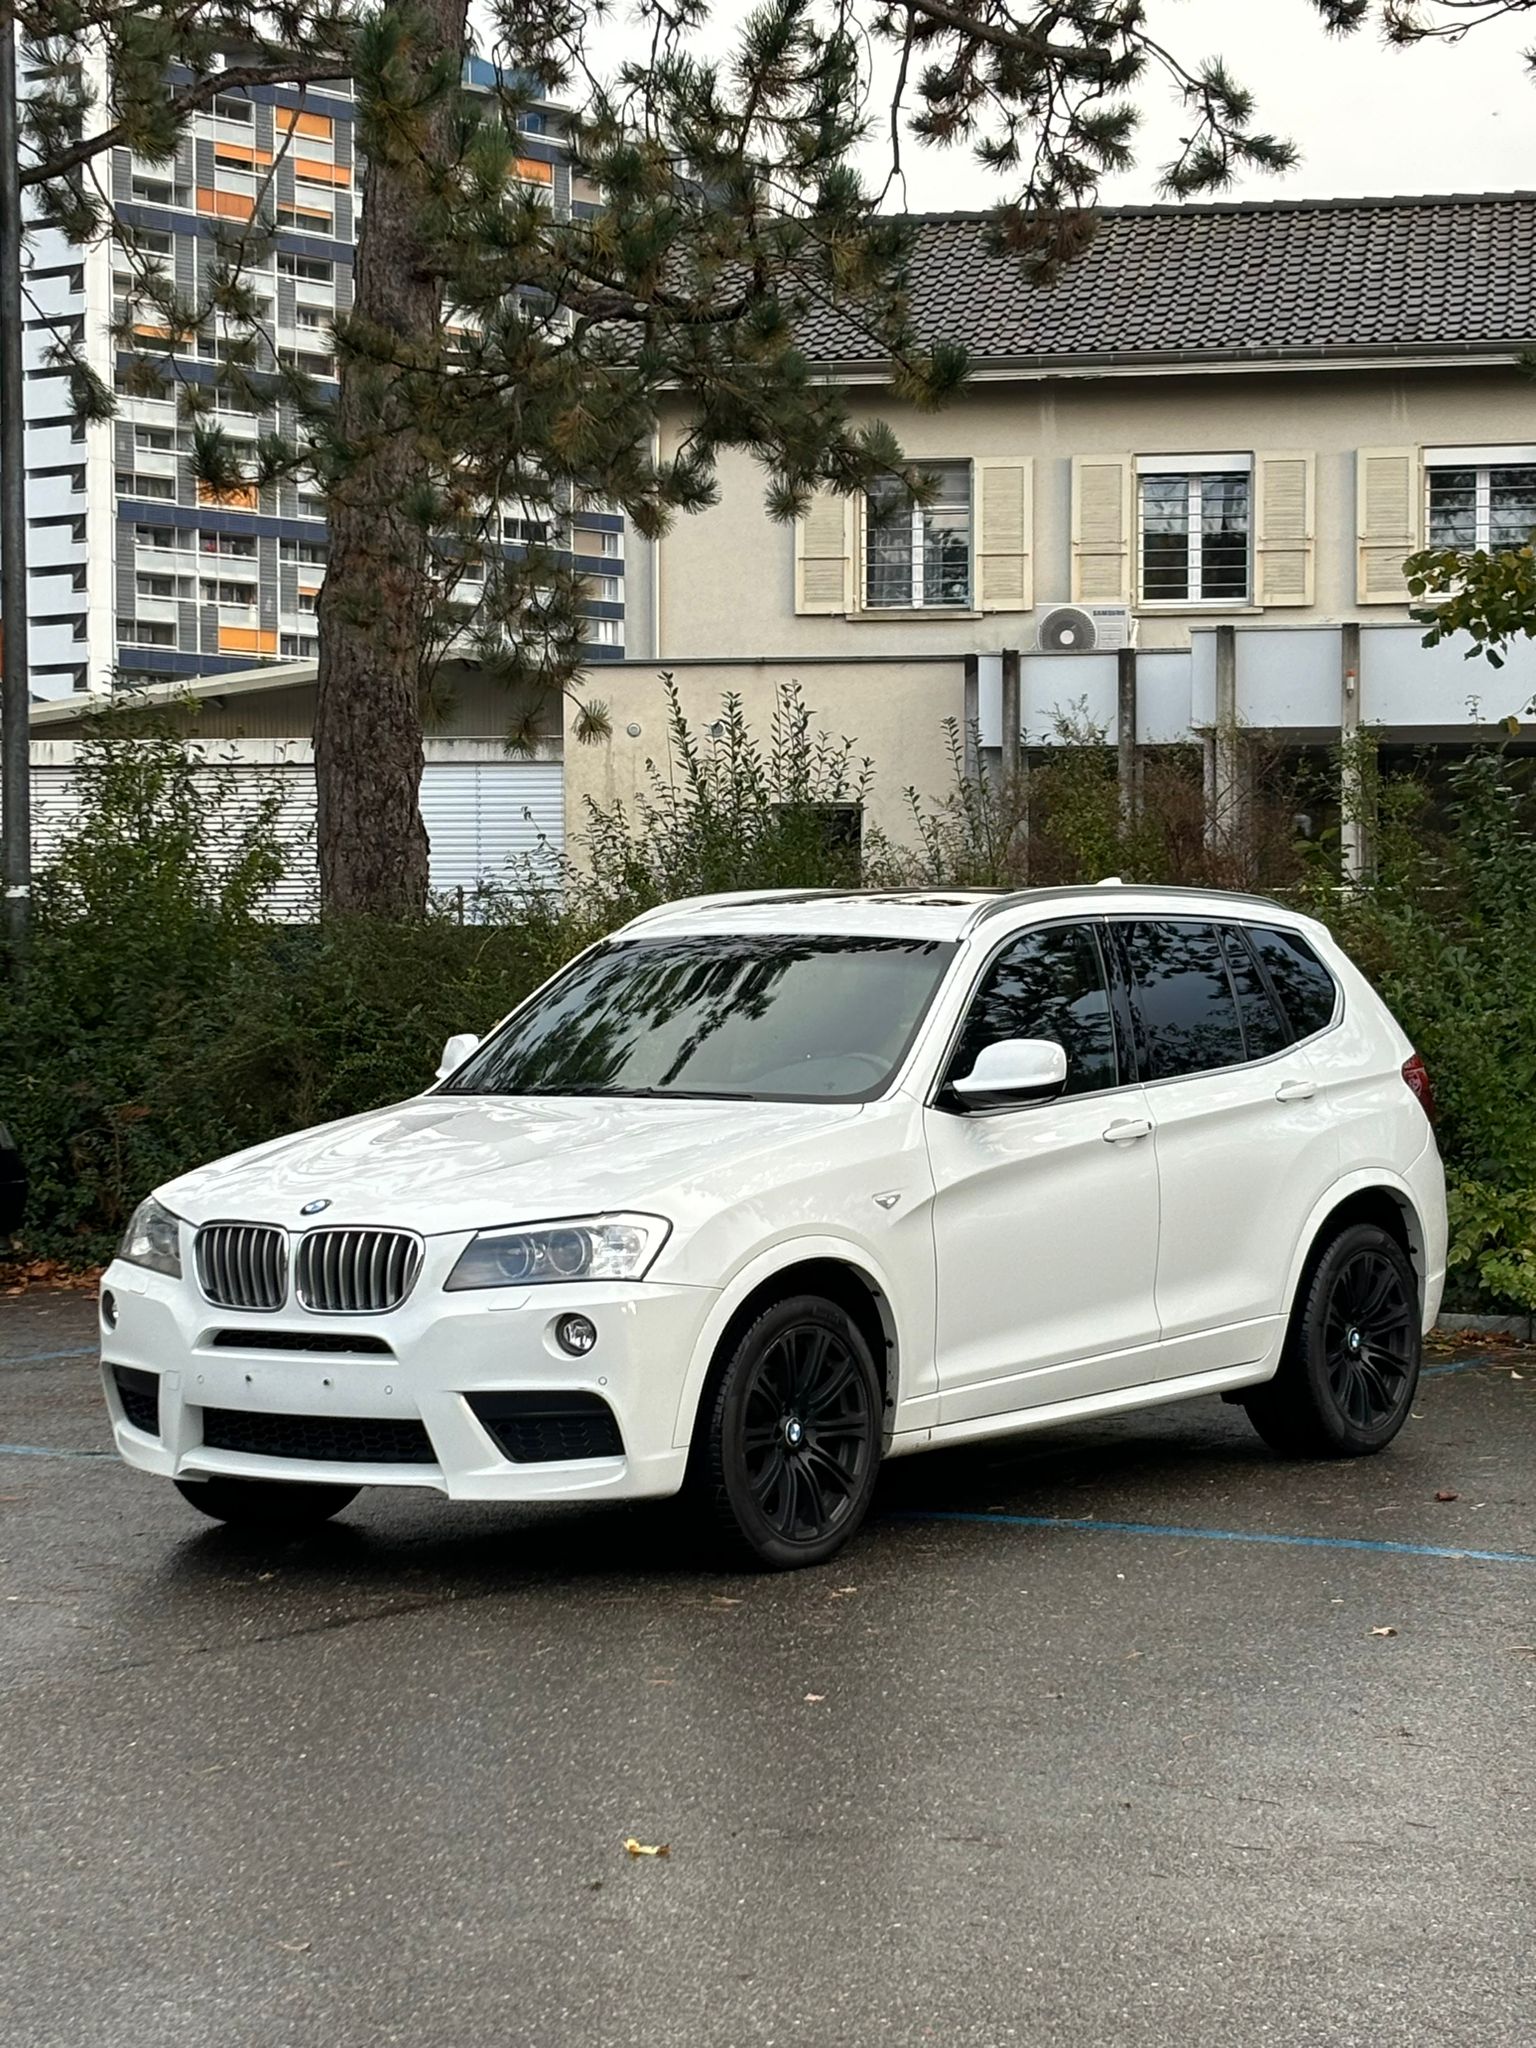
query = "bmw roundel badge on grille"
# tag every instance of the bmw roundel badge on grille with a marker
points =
(314, 1208)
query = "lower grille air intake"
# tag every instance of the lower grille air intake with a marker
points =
(547, 1429)
(139, 1393)
(338, 1439)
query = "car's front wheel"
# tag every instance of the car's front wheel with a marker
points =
(273, 1505)
(789, 1437)
(1350, 1367)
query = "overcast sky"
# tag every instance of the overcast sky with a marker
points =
(1368, 120)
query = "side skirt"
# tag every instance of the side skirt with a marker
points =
(1121, 1401)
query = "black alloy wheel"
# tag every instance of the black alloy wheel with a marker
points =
(1370, 1337)
(1350, 1366)
(789, 1442)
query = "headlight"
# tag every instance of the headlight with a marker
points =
(153, 1239)
(544, 1254)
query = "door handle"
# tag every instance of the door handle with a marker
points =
(1127, 1127)
(1295, 1091)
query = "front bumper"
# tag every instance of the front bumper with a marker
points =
(442, 1351)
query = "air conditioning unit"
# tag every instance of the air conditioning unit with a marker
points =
(1082, 629)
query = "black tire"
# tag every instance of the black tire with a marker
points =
(1350, 1367)
(275, 1505)
(788, 1439)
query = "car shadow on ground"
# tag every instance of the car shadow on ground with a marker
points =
(411, 1543)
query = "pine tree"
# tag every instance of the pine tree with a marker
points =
(496, 360)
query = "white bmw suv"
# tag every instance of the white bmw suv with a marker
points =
(767, 1188)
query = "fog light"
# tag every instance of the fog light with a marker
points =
(575, 1334)
(109, 1308)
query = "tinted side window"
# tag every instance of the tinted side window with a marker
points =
(1264, 1029)
(1184, 997)
(1048, 984)
(1305, 987)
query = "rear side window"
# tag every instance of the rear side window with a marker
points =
(1264, 1029)
(1047, 984)
(1187, 1008)
(1306, 989)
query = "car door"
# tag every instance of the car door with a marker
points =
(1244, 1141)
(1045, 1216)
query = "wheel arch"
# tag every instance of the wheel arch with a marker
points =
(1367, 1197)
(830, 1267)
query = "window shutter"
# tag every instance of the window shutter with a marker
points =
(1387, 515)
(1101, 529)
(823, 555)
(1004, 499)
(1284, 497)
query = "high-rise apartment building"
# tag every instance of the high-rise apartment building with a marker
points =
(136, 572)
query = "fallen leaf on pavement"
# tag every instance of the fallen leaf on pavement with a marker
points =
(296, 1948)
(1383, 1631)
(1446, 1494)
(645, 1848)
(813, 1699)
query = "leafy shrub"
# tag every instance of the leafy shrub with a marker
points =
(163, 1019)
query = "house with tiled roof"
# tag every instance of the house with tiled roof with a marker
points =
(1175, 495)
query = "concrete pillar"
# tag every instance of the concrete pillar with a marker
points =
(1228, 805)
(1355, 763)
(970, 718)
(1015, 775)
(1127, 758)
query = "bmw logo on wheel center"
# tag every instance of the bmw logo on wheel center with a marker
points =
(314, 1208)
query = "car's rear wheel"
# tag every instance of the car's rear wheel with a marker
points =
(1350, 1367)
(265, 1504)
(789, 1437)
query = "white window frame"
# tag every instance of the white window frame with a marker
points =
(1483, 462)
(917, 598)
(1193, 469)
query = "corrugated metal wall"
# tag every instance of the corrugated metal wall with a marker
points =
(481, 814)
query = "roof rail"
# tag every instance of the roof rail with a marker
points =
(1015, 898)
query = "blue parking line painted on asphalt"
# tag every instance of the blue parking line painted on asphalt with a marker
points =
(1087, 1524)
(1434, 1372)
(47, 1451)
(48, 1357)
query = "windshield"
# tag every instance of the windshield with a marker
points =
(761, 1019)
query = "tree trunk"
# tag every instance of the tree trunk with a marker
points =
(372, 612)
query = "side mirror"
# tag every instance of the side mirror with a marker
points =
(1013, 1072)
(455, 1053)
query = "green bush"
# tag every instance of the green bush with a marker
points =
(164, 1019)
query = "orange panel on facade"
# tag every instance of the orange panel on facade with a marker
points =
(237, 153)
(246, 640)
(322, 173)
(235, 204)
(291, 121)
(536, 173)
(241, 496)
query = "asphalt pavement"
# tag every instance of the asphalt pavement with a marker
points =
(1124, 1736)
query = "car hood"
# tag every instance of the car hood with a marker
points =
(445, 1163)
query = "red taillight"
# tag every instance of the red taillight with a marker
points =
(1416, 1074)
